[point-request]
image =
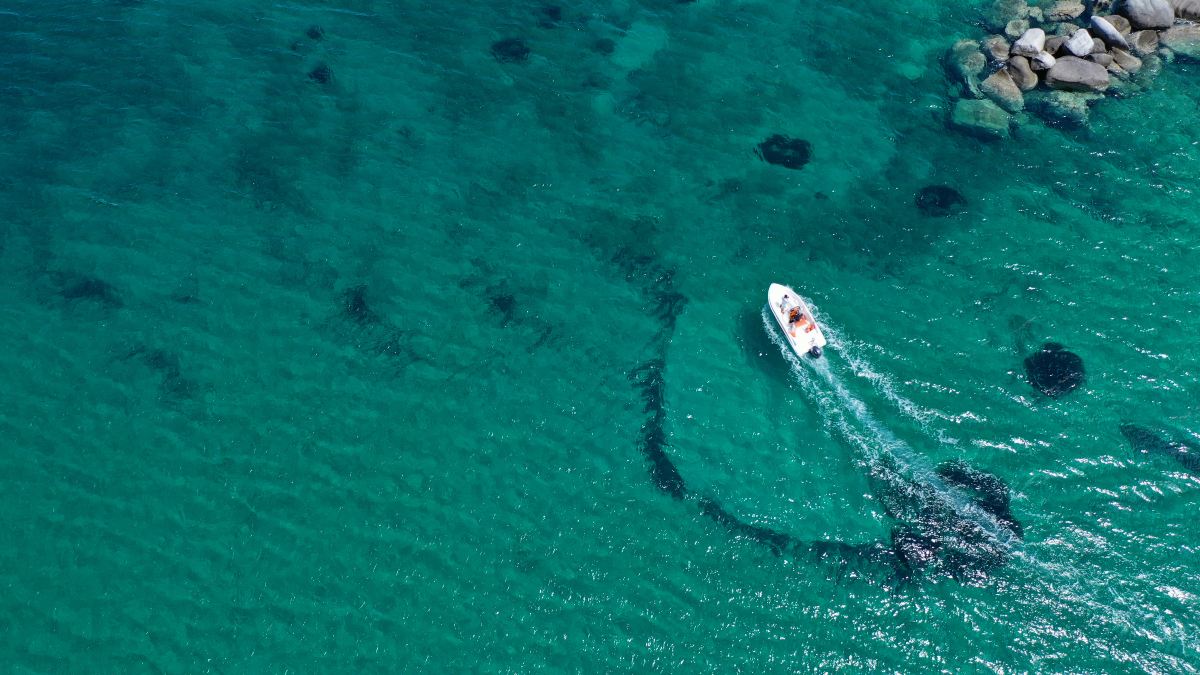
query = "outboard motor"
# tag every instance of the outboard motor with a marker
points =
(815, 352)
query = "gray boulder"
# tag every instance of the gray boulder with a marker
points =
(1063, 10)
(1071, 73)
(1128, 62)
(1143, 42)
(1108, 33)
(1043, 61)
(1080, 43)
(1103, 59)
(1186, 9)
(1022, 73)
(1156, 14)
(1030, 43)
(981, 117)
(1184, 40)
(996, 47)
(1000, 87)
(1119, 22)
(1098, 46)
(1054, 44)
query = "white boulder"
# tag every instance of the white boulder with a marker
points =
(1108, 32)
(1080, 43)
(1031, 42)
(1156, 14)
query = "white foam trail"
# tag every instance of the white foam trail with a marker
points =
(823, 386)
(854, 355)
(871, 438)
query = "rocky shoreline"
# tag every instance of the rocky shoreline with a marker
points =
(1056, 58)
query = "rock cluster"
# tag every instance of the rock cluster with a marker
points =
(1056, 58)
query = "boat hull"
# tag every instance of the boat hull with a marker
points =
(805, 340)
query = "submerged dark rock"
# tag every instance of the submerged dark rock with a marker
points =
(322, 74)
(937, 201)
(504, 305)
(604, 46)
(1151, 442)
(90, 288)
(785, 151)
(510, 50)
(355, 307)
(1054, 371)
(315, 32)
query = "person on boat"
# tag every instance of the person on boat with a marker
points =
(797, 319)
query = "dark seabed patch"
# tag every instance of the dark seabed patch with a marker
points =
(785, 151)
(604, 46)
(358, 324)
(510, 50)
(502, 305)
(321, 74)
(173, 385)
(1053, 370)
(355, 307)
(937, 201)
(1148, 441)
(74, 287)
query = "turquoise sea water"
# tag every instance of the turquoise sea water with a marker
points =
(317, 377)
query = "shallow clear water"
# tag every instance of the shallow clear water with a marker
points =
(316, 377)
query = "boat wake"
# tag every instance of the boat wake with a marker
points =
(953, 521)
(959, 511)
(854, 356)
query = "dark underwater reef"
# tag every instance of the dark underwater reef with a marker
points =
(934, 535)
(958, 524)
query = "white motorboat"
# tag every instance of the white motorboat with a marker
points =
(796, 319)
